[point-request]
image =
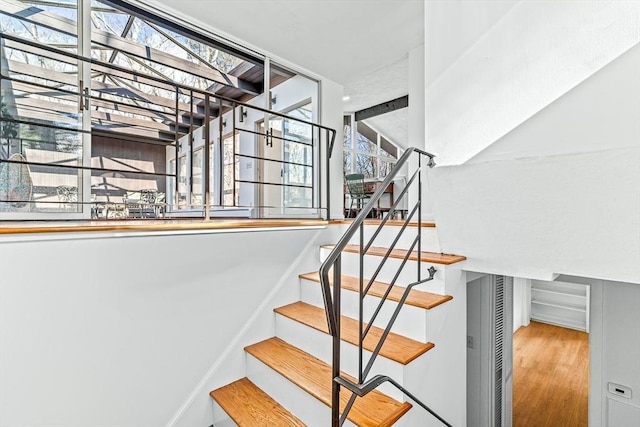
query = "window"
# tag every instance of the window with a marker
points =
(197, 189)
(366, 151)
(182, 182)
(231, 196)
(129, 113)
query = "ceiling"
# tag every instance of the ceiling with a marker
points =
(360, 44)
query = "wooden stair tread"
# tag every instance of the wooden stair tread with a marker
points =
(396, 347)
(431, 257)
(314, 376)
(249, 406)
(416, 298)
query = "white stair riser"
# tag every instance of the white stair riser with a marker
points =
(411, 321)
(297, 401)
(320, 345)
(351, 266)
(388, 234)
(221, 418)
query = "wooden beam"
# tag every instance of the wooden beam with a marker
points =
(128, 93)
(144, 14)
(57, 112)
(385, 107)
(42, 73)
(72, 106)
(37, 16)
(39, 51)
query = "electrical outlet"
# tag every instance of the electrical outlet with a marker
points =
(469, 341)
(619, 390)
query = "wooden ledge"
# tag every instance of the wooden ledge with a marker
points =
(8, 228)
(391, 222)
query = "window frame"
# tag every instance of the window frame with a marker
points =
(351, 133)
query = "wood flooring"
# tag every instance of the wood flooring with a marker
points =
(550, 376)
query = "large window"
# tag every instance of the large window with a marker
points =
(91, 137)
(366, 151)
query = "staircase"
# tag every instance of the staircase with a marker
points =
(288, 379)
(356, 348)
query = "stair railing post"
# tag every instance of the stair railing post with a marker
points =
(207, 157)
(361, 306)
(335, 371)
(419, 217)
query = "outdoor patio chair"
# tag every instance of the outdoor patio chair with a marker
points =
(357, 195)
(67, 196)
(141, 204)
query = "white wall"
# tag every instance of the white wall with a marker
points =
(449, 38)
(478, 353)
(417, 125)
(533, 218)
(331, 113)
(532, 53)
(127, 331)
(569, 204)
(521, 302)
(601, 113)
(620, 354)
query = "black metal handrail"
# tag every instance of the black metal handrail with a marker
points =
(331, 267)
(322, 137)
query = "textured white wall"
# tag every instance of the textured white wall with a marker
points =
(601, 113)
(121, 331)
(533, 53)
(561, 211)
(572, 214)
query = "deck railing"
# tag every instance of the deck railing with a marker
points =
(77, 150)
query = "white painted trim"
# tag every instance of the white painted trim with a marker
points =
(596, 416)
